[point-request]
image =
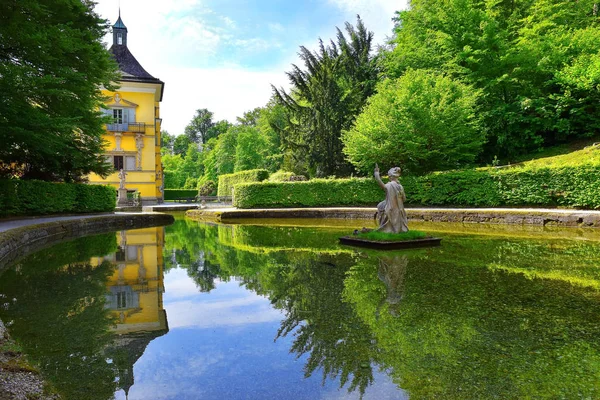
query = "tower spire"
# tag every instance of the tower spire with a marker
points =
(119, 32)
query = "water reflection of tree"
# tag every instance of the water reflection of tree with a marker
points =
(324, 326)
(480, 317)
(468, 330)
(57, 315)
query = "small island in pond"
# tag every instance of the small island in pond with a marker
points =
(393, 232)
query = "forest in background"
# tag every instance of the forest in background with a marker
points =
(460, 83)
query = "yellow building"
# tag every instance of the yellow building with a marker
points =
(135, 290)
(135, 298)
(134, 135)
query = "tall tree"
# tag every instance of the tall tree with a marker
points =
(423, 121)
(166, 142)
(200, 126)
(52, 65)
(326, 97)
(250, 118)
(514, 51)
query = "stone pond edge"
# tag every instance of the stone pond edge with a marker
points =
(539, 217)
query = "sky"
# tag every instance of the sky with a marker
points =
(224, 55)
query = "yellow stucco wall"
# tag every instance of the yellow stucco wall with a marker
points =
(146, 180)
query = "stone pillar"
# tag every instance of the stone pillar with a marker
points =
(139, 144)
(118, 136)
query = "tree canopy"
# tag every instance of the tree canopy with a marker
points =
(52, 65)
(325, 98)
(423, 121)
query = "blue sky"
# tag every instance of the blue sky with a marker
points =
(224, 54)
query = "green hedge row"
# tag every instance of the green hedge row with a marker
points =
(228, 181)
(313, 193)
(564, 187)
(19, 197)
(172, 194)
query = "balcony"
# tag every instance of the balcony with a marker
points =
(135, 127)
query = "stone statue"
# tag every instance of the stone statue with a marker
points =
(122, 176)
(390, 212)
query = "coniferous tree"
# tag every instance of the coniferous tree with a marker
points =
(326, 97)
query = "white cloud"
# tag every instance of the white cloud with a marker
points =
(246, 310)
(226, 91)
(181, 42)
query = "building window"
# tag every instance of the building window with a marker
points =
(121, 300)
(118, 163)
(119, 38)
(132, 253)
(120, 254)
(118, 115)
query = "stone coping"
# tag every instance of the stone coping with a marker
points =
(520, 216)
(21, 237)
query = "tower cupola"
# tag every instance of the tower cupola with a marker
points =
(119, 32)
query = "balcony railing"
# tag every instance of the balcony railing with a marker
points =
(136, 127)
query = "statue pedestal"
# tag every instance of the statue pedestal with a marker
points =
(122, 197)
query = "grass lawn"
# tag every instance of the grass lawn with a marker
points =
(391, 237)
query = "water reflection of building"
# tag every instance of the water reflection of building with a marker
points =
(135, 298)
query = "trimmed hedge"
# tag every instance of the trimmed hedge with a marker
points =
(565, 187)
(18, 197)
(228, 181)
(172, 194)
(313, 193)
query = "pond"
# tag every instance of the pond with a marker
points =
(278, 309)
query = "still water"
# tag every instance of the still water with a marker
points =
(279, 310)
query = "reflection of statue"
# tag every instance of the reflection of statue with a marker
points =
(122, 176)
(391, 272)
(390, 212)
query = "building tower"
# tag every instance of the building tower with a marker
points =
(134, 133)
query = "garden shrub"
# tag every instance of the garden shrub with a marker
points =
(546, 187)
(207, 188)
(281, 176)
(172, 194)
(95, 198)
(228, 181)
(30, 197)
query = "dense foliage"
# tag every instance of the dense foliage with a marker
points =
(227, 182)
(536, 63)
(546, 187)
(31, 197)
(52, 65)
(423, 121)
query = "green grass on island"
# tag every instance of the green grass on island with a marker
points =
(391, 237)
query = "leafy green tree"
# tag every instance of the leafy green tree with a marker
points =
(60, 318)
(219, 128)
(166, 142)
(171, 169)
(52, 65)
(515, 52)
(200, 127)
(249, 149)
(250, 118)
(423, 121)
(221, 157)
(326, 97)
(181, 144)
